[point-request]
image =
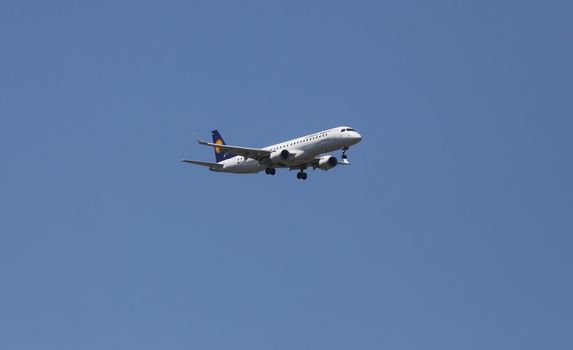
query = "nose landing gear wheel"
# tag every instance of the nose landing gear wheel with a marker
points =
(344, 156)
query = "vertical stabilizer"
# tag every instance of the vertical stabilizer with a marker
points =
(220, 154)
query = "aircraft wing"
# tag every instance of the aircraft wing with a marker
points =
(247, 152)
(215, 166)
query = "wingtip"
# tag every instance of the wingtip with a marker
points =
(199, 140)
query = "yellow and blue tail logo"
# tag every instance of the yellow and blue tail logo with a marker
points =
(220, 153)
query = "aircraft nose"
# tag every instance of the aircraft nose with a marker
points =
(358, 137)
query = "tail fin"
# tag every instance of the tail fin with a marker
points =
(220, 154)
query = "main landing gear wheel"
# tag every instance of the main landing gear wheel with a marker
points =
(270, 171)
(301, 175)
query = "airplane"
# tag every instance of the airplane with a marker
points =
(296, 154)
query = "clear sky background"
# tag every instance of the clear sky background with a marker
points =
(452, 229)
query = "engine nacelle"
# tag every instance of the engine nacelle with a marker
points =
(286, 157)
(327, 162)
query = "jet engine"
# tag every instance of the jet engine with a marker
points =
(327, 162)
(286, 157)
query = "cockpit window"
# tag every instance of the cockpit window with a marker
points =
(350, 129)
(343, 130)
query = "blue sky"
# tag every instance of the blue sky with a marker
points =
(451, 229)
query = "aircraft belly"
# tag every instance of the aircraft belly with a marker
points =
(248, 167)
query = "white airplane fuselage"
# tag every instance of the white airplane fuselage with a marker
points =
(302, 150)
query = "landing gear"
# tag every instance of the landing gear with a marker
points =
(344, 156)
(344, 160)
(270, 171)
(301, 175)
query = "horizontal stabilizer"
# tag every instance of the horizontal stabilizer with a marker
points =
(214, 166)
